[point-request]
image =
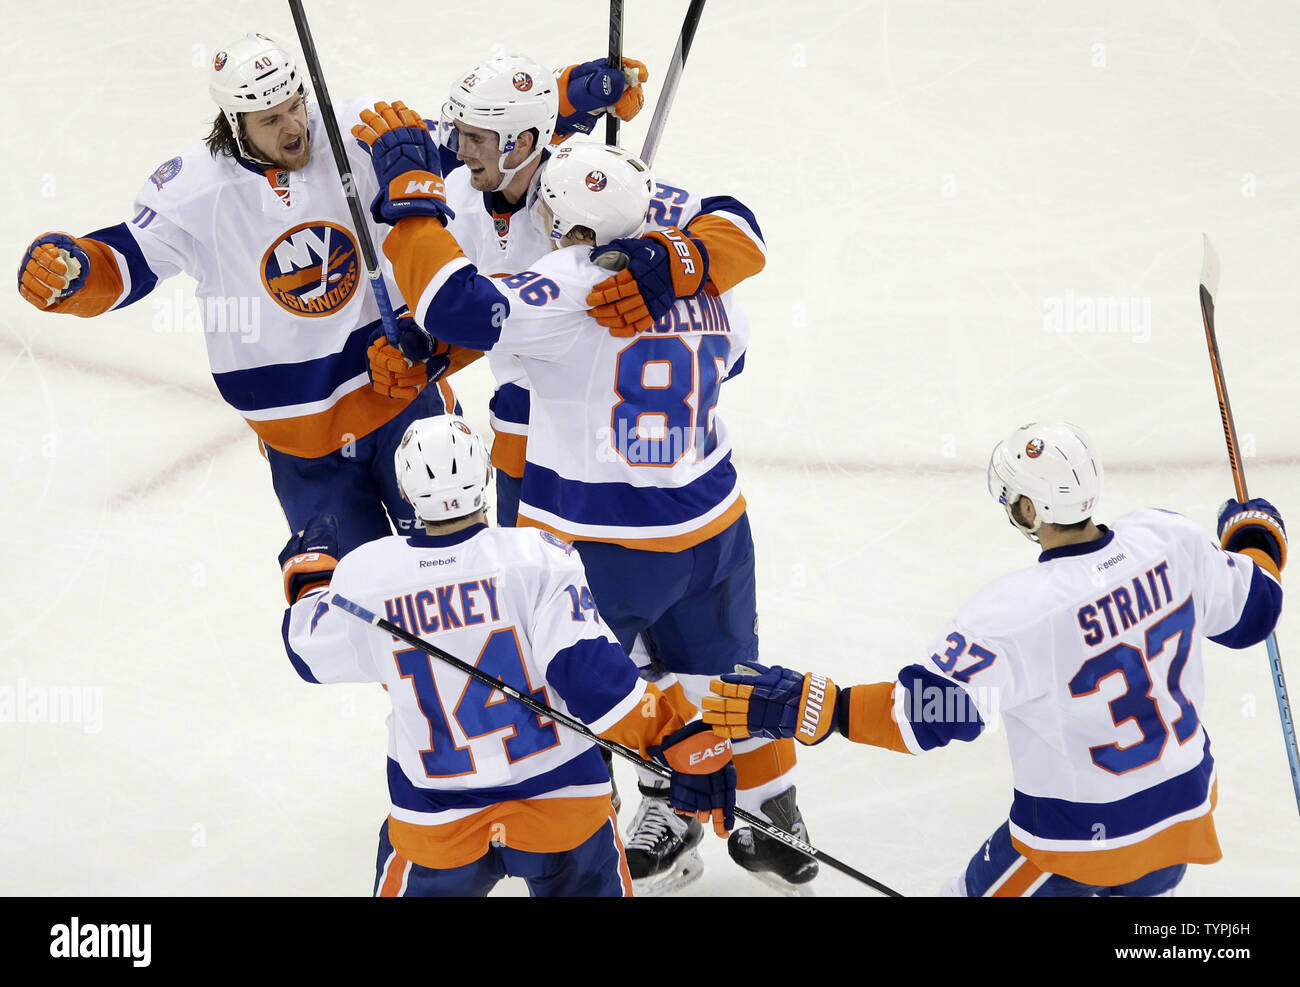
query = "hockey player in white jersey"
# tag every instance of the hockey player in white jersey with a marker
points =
(256, 214)
(628, 459)
(1092, 658)
(481, 787)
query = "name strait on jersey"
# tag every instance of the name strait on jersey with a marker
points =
(1122, 608)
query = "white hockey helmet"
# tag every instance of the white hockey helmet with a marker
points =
(442, 469)
(1053, 466)
(255, 73)
(509, 94)
(606, 189)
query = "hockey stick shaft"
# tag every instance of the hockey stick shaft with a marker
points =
(541, 709)
(368, 255)
(615, 63)
(669, 90)
(1210, 285)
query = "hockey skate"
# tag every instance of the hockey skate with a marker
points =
(771, 861)
(661, 854)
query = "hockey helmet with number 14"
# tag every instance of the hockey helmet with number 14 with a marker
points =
(1053, 466)
(442, 469)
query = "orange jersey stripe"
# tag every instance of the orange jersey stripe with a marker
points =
(624, 874)
(419, 247)
(675, 543)
(355, 414)
(871, 717)
(1020, 881)
(508, 453)
(103, 285)
(733, 255)
(532, 825)
(394, 876)
(1192, 841)
(767, 763)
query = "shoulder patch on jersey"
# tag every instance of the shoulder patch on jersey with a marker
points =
(165, 172)
(558, 542)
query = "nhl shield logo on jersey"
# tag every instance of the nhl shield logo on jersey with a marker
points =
(596, 180)
(166, 172)
(1034, 448)
(522, 81)
(313, 269)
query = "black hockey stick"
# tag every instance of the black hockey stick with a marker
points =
(1209, 286)
(541, 709)
(368, 255)
(615, 63)
(669, 90)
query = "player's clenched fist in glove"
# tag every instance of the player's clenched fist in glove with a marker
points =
(406, 163)
(662, 266)
(403, 371)
(704, 779)
(775, 702)
(1256, 524)
(593, 88)
(309, 558)
(54, 268)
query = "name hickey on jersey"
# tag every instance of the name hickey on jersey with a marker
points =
(445, 607)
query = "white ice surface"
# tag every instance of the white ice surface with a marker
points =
(929, 177)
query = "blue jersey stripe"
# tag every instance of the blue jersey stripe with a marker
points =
(1258, 616)
(588, 768)
(510, 404)
(592, 676)
(283, 384)
(938, 709)
(142, 277)
(299, 666)
(1061, 819)
(623, 504)
(725, 203)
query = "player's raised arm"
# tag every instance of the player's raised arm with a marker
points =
(449, 299)
(591, 89)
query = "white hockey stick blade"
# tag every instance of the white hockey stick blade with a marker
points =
(1210, 268)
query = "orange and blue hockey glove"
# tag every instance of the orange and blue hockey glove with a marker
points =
(589, 90)
(1255, 524)
(406, 162)
(403, 371)
(662, 266)
(54, 268)
(309, 558)
(703, 782)
(757, 701)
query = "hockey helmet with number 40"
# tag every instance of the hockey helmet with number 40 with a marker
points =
(255, 73)
(1051, 464)
(442, 469)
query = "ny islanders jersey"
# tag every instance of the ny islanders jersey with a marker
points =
(287, 311)
(466, 765)
(1093, 660)
(625, 443)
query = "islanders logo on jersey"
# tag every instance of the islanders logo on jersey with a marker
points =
(313, 269)
(165, 172)
(522, 81)
(1034, 448)
(596, 180)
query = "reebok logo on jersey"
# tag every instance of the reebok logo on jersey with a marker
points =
(429, 563)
